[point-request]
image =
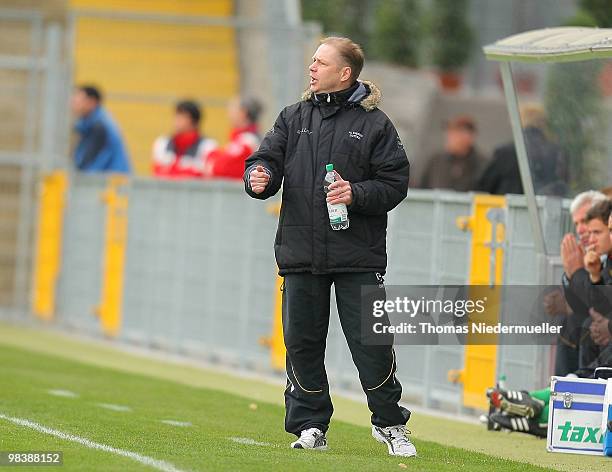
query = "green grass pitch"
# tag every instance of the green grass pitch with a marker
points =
(210, 429)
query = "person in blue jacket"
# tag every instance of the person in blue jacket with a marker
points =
(100, 147)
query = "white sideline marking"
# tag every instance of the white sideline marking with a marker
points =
(155, 463)
(62, 393)
(249, 441)
(110, 406)
(184, 424)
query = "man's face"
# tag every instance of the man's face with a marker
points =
(459, 141)
(182, 122)
(599, 236)
(81, 104)
(579, 220)
(327, 71)
(236, 114)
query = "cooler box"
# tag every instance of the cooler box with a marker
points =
(606, 423)
(575, 416)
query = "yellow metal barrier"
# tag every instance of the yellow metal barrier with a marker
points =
(275, 341)
(48, 248)
(115, 239)
(277, 346)
(485, 279)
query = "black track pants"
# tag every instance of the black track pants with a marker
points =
(306, 300)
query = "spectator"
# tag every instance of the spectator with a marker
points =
(575, 311)
(547, 162)
(597, 260)
(598, 263)
(183, 155)
(460, 164)
(527, 412)
(100, 147)
(244, 140)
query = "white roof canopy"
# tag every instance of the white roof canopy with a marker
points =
(553, 44)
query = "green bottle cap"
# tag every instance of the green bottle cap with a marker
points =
(329, 167)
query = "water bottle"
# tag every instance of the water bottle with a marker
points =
(338, 214)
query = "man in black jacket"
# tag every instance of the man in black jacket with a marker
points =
(547, 162)
(336, 122)
(575, 282)
(598, 265)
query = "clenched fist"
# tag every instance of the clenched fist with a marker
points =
(258, 179)
(592, 263)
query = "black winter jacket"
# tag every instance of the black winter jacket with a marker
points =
(362, 143)
(547, 163)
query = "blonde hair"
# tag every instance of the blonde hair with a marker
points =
(350, 52)
(533, 115)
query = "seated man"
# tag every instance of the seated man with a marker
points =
(573, 309)
(228, 161)
(527, 412)
(184, 154)
(547, 161)
(460, 164)
(100, 147)
(598, 264)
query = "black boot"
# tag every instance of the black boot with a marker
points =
(520, 424)
(515, 402)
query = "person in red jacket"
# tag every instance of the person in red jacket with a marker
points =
(228, 161)
(184, 154)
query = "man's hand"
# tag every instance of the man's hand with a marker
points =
(592, 263)
(572, 255)
(258, 179)
(555, 304)
(340, 191)
(600, 333)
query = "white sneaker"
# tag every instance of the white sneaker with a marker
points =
(311, 438)
(396, 439)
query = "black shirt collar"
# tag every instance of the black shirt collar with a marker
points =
(335, 98)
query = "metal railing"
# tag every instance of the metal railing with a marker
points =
(198, 276)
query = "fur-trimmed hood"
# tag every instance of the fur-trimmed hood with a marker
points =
(368, 95)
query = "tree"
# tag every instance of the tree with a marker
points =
(341, 17)
(452, 36)
(575, 115)
(600, 10)
(396, 32)
(355, 15)
(329, 14)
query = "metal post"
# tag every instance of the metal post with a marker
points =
(26, 203)
(521, 153)
(51, 95)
